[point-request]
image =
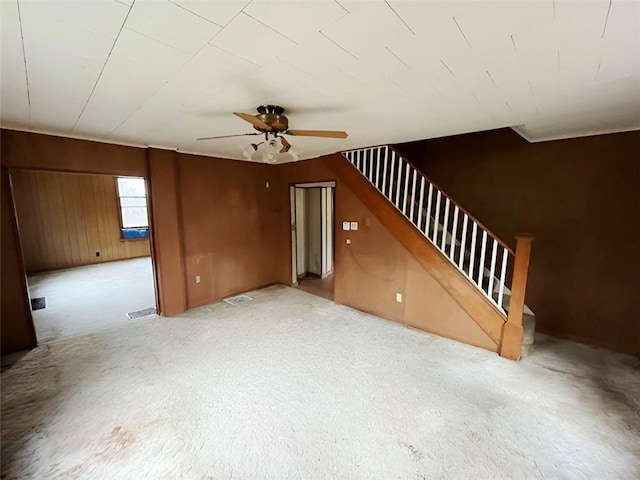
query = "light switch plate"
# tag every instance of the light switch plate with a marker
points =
(399, 297)
(346, 226)
(354, 225)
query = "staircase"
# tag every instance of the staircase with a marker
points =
(490, 265)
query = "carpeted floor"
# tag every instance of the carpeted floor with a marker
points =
(89, 298)
(293, 386)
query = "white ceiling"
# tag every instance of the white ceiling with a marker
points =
(163, 73)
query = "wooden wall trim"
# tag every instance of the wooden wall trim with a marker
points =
(166, 231)
(489, 319)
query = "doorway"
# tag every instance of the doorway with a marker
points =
(85, 242)
(312, 243)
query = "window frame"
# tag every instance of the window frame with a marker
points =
(145, 229)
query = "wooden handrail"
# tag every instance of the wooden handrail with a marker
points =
(512, 331)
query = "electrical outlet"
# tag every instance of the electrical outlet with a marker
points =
(399, 297)
(97, 254)
(197, 278)
(348, 241)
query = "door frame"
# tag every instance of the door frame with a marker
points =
(293, 226)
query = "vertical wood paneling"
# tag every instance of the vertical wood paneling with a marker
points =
(64, 219)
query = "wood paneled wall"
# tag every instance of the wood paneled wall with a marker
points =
(230, 228)
(580, 198)
(64, 219)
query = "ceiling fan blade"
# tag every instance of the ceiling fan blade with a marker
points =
(317, 133)
(286, 146)
(253, 120)
(228, 136)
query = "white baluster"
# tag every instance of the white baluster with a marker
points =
(428, 213)
(413, 194)
(421, 200)
(472, 255)
(465, 219)
(483, 250)
(443, 244)
(391, 177)
(384, 188)
(492, 269)
(398, 180)
(503, 274)
(436, 218)
(452, 250)
(378, 169)
(371, 160)
(406, 188)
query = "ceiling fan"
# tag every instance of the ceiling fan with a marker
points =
(271, 121)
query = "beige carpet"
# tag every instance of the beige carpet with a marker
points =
(90, 298)
(293, 386)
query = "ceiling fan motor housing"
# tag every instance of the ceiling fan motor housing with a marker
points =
(273, 116)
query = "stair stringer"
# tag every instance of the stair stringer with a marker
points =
(463, 292)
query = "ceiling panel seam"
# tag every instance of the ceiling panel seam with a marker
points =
(492, 80)
(155, 39)
(24, 58)
(269, 27)
(337, 44)
(103, 66)
(461, 32)
(447, 67)
(341, 6)
(397, 58)
(399, 17)
(606, 20)
(194, 13)
(515, 49)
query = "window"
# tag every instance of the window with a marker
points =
(132, 195)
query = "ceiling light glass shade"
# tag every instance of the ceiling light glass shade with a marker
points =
(269, 152)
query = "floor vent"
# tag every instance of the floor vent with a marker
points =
(38, 303)
(237, 299)
(141, 313)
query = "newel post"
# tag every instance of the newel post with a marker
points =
(512, 329)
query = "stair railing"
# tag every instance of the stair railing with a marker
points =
(464, 241)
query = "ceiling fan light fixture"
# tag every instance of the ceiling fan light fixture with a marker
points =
(270, 151)
(249, 150)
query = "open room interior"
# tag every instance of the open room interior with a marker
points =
(430, 209)
(86, 250)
